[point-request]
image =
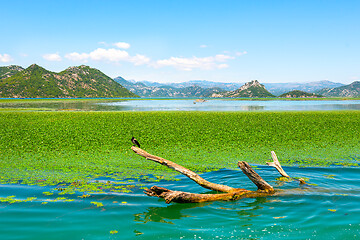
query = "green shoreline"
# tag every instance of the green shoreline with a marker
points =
(71, 148)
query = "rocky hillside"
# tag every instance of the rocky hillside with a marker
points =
(251, 89)
(9, 71)
(299, 94)
(351, 90)
(74, 82)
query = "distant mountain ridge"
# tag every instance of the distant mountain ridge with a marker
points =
(155, 89)
(158, 90)
(310, 87)
(351, 90)
(37, 82)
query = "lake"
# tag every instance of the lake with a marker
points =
(231, 105)
(180, 105)
(326, 209)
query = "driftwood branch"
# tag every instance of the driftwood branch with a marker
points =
(255, 178)
(190, 174)
(276, 164)
(264, 189)
(186, 197)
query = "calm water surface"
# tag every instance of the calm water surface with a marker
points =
(183, 105)
(232, 105)
(328, 209)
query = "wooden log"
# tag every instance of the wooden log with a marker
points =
(190, 174)
(264, 189)
(186, 197)
(262, 185)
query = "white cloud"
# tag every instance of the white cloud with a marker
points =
(221, 66)
(139, 59)
(123, 45)
(241, 53)
(77, 57)
(5, 58)
(52, 57)
(111, 55)
(203, 46)
(188, 64)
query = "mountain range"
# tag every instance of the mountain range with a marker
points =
(351, 90)
(86, 82)
(74, 82)
(203, 88)
(274, 88)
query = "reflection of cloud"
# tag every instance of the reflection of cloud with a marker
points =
(5, 58)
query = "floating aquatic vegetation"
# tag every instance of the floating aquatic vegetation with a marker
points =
(69, 150)
(98, 204)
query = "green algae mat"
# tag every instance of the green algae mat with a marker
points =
(70, 149)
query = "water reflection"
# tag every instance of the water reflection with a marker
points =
(245, 209)
(164, 214)
(179, 105)
(234, 105)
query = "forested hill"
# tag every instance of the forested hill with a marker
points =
(74, 82)
(9, 71)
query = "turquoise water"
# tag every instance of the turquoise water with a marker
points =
(327, 209)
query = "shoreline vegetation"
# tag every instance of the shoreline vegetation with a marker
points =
(74, 149)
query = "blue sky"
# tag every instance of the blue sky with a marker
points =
(176, 41)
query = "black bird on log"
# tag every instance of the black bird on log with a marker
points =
(135, 142)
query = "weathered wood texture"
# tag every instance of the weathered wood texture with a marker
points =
(190, 174)
(276, 164)
(186, 197)
(264, 189)
(262, 185)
